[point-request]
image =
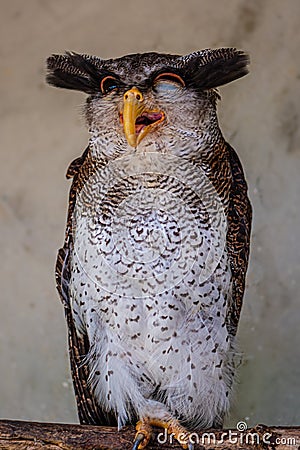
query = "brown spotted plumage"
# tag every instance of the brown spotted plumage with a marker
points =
(152, 271)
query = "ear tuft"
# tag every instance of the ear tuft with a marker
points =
(209, 69)
(74, 71)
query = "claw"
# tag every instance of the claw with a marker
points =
(190, 445)
(138, 440)
(143, 434)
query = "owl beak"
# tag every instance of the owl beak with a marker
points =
(137, 121)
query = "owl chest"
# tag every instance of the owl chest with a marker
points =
(146, 246)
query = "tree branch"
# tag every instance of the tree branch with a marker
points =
(40, 436)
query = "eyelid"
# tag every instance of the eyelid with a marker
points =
(169, 76)
(108, 77)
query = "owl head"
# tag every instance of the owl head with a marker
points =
(149, 99)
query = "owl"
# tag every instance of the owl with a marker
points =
(152, 271)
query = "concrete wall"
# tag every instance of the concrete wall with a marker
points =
(42, 131)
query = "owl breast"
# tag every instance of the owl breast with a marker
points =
(150, 285)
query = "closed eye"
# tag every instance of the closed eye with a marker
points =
(168, 82)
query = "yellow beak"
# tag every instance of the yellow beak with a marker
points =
(137, 121)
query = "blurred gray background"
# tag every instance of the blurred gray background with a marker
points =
(42, 131)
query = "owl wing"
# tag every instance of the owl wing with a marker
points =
(89, 411)
(238, 238)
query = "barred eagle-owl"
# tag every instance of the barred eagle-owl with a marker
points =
(152, 271)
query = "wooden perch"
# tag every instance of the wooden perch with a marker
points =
(36, 436)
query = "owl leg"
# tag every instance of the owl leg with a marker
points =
(172, 427)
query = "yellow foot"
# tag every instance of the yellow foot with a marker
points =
(181, 435)
(143, 434)
(172, 427)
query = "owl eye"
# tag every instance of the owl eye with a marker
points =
(168, 82)
(108, 84)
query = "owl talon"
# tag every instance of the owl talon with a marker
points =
(139, 438)
(190, 445)
(143, 434)
(180, 434)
